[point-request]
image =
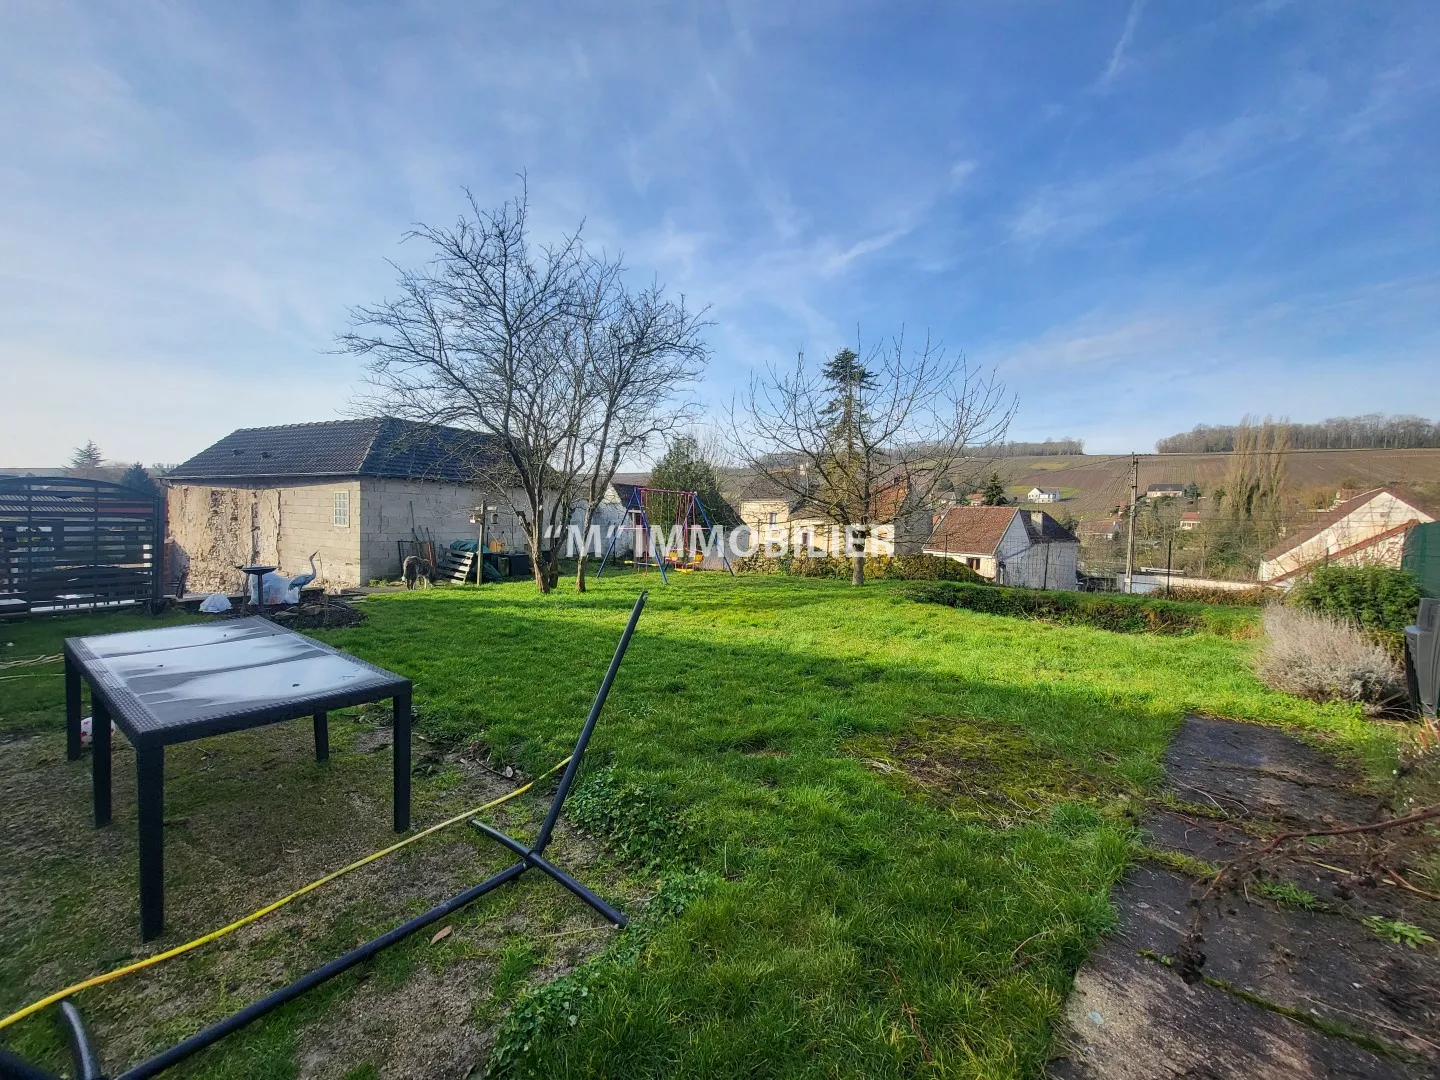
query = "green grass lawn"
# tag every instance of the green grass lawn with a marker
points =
(879, 834)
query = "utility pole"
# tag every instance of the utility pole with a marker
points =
(1130, 540)
(478, 517)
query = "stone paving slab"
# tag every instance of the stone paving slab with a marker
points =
(1326, 965)
(1247, 770)
(1129, 1018)
(1276, 991)
(1337, 878)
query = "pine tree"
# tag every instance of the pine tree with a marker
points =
(684, 468)
(139, 479)
(994, 491)
(86, 457)
(851, 381)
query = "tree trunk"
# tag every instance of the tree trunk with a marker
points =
(857, 572)
(552, 567)
(537, 564)
(586, 524)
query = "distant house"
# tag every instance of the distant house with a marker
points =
(1043, 495)
(1190, 520)
(352, 490)
(975, 498)
(1109, 528)
(1367, 528)
(784, 520)
(1165, 491)
(1008, 545)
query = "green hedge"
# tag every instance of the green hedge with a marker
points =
(1375, 598)
(1210, 594)
(1106, 611)
(877, 567)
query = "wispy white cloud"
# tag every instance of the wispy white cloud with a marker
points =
(1122, 44)
(868, 246)
(1080, 205)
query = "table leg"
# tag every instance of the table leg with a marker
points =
(401, 754)
(72, 709)
(150, 795)
(100, 760)
(322, 737)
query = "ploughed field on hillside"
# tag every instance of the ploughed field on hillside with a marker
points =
(1094, 484)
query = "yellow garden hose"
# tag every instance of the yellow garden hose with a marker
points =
(205, 939)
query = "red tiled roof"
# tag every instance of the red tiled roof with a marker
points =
(1353, 549)
(1330, 517)
(971, 530)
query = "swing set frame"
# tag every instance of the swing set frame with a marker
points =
(690, 516)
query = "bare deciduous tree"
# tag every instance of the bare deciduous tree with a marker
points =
(540, 348)
(862, 442)
(645, 348)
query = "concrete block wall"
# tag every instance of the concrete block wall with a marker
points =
(442, 509)
(307, 524)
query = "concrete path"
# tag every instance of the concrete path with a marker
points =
(1224, 982)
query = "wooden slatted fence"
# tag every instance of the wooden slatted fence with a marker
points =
(68, 544)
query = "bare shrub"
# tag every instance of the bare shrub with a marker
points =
(1323, 658)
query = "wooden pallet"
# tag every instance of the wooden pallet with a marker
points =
(455, 566)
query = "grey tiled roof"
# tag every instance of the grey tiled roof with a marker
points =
(375, 446)
(1044, 528)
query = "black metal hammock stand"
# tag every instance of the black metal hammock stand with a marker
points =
(87, 1065)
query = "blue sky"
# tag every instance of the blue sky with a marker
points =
(1147, 215)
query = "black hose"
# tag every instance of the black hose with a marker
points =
(569, 778)
(87, 1065)
(14, 1067)
(215, 1032)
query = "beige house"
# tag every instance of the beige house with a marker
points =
(1368, 528)
(1008, 545)
(357, 492)
(1106, 528)
(785, 522)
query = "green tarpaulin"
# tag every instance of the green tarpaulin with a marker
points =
(1421, 558)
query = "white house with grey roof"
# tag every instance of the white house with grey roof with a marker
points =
(355, 491)
(1008, 545)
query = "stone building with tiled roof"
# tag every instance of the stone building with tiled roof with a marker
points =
(354, 491)
(1008, 545)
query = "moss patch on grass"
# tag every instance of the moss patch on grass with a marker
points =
(988, 770)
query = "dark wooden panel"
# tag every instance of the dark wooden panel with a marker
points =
(72, 543)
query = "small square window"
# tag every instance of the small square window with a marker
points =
(342, 509)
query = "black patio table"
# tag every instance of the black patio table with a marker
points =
(179, 683)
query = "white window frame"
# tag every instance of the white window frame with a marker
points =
(341, 510)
